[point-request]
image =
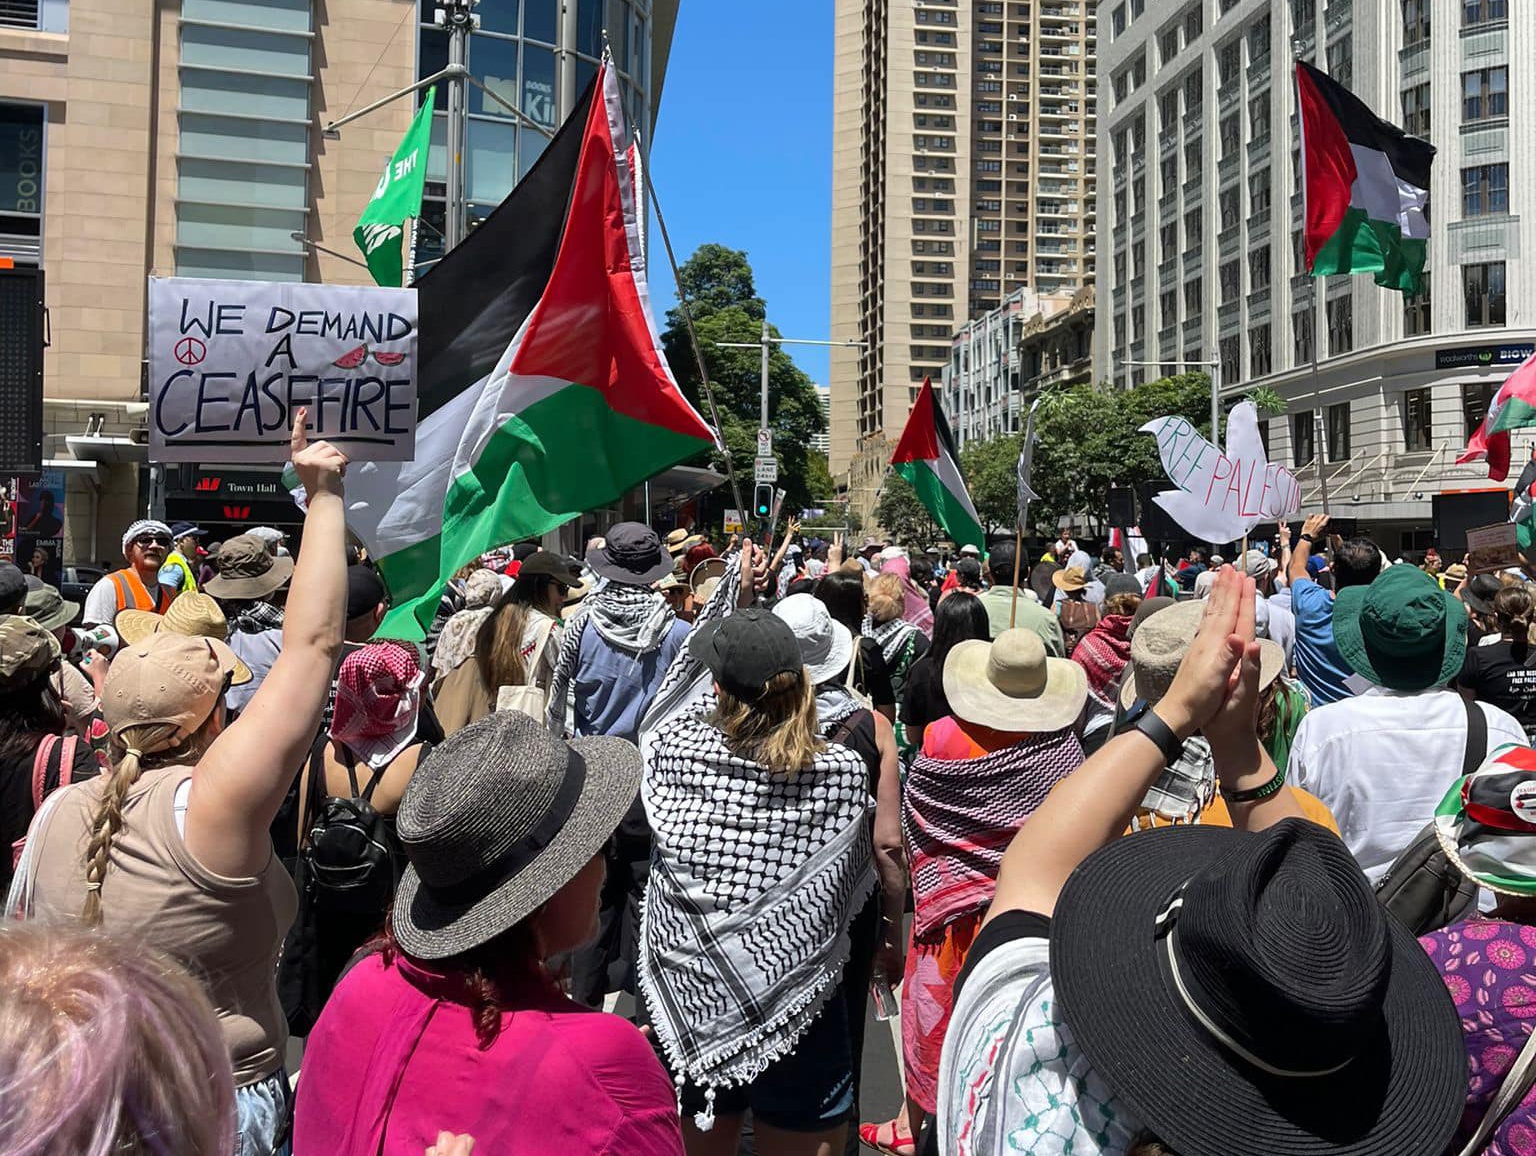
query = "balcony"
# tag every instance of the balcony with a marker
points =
(1229, 317)
(1258, 302)
(1229, 94)
(1167, 208)
(1167, 270)
(1339, 16)
(1258, 72)
(1192, 254)
(1194, 188)
(1229, 240)
(1192, 330)
(1227, 168)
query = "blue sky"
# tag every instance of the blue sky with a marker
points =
(743, 154)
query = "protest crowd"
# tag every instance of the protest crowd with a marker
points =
(1207, 856)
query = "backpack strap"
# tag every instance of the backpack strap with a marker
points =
(1517, 1082)
(1477, 737)
(40, 760)
(70, 748)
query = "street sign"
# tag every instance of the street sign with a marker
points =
(765, 443)
(765, 470)
(734, 522)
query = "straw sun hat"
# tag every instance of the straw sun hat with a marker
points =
(1011, 684)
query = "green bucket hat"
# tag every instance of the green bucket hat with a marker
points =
(1402, 631)
(27, 652)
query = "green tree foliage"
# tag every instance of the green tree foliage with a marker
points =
(726, 308)
(902, 516)
(1089, 441)
(991, 475)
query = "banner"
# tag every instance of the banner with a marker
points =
(1221, 496)
(229, 362)
(38, 529)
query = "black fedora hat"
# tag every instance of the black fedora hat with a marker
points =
(1247, 993)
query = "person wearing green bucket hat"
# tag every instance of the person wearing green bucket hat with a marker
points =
(1380, 760)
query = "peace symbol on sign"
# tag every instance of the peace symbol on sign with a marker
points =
(190, 351)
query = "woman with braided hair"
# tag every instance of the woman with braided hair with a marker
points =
(174, 843)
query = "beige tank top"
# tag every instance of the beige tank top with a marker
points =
(228, 932)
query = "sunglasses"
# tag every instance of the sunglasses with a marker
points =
(151, 540)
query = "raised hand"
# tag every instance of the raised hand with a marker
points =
(320, 465)
(1209, 672)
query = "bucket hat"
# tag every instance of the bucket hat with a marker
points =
(1258, 977)
(1402, 631)
(1069, 579)
(1011, 684)
(27, 651)
(191, 613)
(47, 606)
(1487, 822)
(496, 819)
(826, 645)
(170, 679)
(247, 570)
(1159, 643)
(631, 554)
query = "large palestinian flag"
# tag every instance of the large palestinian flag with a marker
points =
(926, 458)
(1513, 407)
(543, 389)
(1365, 187)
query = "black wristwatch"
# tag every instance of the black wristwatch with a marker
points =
(1144, 719)
(1309, 539)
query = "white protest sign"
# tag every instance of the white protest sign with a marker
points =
(229, 362)
(1221, 496)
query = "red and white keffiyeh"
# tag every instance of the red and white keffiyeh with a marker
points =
(378, 698)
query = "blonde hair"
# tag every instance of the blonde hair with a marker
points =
(886, 599)
(777, 731)
(107, 1047)
(141, 747)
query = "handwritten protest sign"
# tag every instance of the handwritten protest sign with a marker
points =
(1221, 496)
(1493, 548)
(229, 362)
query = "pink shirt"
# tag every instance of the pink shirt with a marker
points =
(393, 1061)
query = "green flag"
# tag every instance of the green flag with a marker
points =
(381, 229)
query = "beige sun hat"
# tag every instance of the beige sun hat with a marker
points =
(1011, 684)
(193, 614)
(1160, 643)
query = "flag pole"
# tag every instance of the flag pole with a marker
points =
(1018, 557)
(693, 340)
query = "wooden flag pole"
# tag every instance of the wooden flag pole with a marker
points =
(1018, 557)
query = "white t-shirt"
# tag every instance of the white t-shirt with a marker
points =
(100, 604)
(1382, 761)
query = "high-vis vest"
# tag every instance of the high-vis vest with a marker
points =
(131, 594)
(188, 570)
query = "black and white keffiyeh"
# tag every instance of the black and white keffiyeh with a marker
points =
(634, 619)
(890, 636)
(755, 878)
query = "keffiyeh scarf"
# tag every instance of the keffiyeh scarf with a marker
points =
(378, 698)
(959, 815)
(1103, 654)
(254, 617)
(633, 619)
(890, 636)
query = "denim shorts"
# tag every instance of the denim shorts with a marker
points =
(809, 1090)
(263, 1113)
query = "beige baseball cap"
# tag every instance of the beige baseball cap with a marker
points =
(167, 678)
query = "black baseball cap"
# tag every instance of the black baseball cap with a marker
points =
(556, 566)
(365, 590)
(746, 649)
(968, 573)
(525, 550)
(13, 588)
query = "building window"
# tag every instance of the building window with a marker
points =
(1231, 358)
(1168, 240)
(1230, 203)
(1258, 195)
(1485, 94)
(1415, 22)
(1416, 312)
(1485, 190)
(21, 180)
(1168, 307)
(1168, 110)
(1258, 268)
(1258, 117)
(1192, 160)
(1303, 443)
(1475, 12)
(1476, 396)
(1337, 420)
(1303, 15)
(1258, 40)
(1168, 43)
(1341, 325)
(1194, 222)
(1258, 351)
(1117, 19)
(1484, 289)
(1192, 300)
(1416, 109)
(1170, 174)
(1341, 59)
(1192, 25)
(1192, 92)
(1231, 280)
(1231, 136)
(1301, 330)
(1418, 421)
(1229, 62)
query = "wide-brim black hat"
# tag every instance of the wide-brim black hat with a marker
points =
(1403, 1095)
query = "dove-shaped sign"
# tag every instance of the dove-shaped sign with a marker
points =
(1221, 496)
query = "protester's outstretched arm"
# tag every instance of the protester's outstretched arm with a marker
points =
(240, 782)
(1093, 805)
(1311, 530)
(890, 853)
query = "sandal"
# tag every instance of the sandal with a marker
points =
(885, 1138)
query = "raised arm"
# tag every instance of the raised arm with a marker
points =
(240, 782)
(1311, 530)
(1216, 689)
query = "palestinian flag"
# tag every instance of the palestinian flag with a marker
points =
(1512, 407)
(926, 458)
(1365, 187)
(543, 391)
(1523, 507)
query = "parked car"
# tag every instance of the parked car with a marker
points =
(77, 581)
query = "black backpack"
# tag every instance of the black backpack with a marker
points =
(1423, 888)
(349, 859)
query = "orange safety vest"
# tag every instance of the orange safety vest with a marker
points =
(131, 593)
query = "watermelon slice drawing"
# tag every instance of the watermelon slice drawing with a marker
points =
(386, 357)
(352, 359)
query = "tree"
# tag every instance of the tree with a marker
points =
(992, 477)
(725, 307)
(902, 515)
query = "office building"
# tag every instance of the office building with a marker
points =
(1201, 214)
(822, 442)
(1000, 362)
(963, 171)
(183, 137)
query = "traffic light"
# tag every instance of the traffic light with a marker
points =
(762, 501)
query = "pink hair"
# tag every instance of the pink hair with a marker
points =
(107, 1047)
